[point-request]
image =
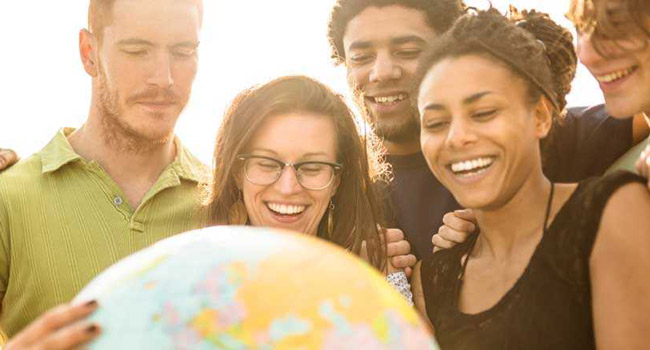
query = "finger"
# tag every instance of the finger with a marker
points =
(466, 214)
(442, 243)
(452, 235)
(404, 261)
(436, 248)
(394, 235)
(639, 165)
(398, 248)
(408, 272)
(458, 224)
(71, 337)
(51, 321)
(7, 157)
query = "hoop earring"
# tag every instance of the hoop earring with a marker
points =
(330, 218)
(237, 214)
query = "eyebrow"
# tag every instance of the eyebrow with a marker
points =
(401, 40)
(310, 154)
(134, 41)
(137, 41)
(467, 101)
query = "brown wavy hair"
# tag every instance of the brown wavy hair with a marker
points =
(358, 213)
(440, 15)
(609, 26)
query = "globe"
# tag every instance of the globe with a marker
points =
(230, 287)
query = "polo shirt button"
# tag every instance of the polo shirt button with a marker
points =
(118, 201)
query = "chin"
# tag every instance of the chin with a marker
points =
(622, 108)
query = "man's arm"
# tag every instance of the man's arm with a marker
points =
(7, 158)
(619, 266)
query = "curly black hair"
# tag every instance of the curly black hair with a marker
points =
(440, 14)
(533, 46)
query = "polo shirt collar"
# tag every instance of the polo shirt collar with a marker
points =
(59, 152)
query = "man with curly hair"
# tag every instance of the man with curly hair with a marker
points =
(380, 42)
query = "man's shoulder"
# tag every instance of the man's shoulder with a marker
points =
(27, 169)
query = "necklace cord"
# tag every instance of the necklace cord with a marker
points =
(544, 229)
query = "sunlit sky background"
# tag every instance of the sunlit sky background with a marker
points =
(244, 42)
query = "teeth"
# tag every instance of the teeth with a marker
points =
(471, 165)
(390, 99)
(608, 78)
(286, 209)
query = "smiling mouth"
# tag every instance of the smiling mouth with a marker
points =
(471, 167)
(387, 100)
(615, 76)
(286, 210)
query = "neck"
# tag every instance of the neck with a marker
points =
(402, 148)
(517, 221)
(135, 172)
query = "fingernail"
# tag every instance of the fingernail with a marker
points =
(91, 304)
(92, 328)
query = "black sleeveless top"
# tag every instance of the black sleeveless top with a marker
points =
(549, 307)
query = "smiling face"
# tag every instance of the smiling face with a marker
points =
(624, 74)
(480, 134)
(294, 138)
(382, 47)
(147, 63)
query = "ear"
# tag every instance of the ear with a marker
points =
(88, 52)
(543, 117)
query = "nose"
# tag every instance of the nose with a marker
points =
(587, 52)
(288, 183)
(460, 135)
(385, 68)
(161, 72)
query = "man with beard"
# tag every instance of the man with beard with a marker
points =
(380, 43)
(115, 185)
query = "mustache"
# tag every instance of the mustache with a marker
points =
(157, 94)
(360, 91)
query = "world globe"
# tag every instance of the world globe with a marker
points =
(230, 287)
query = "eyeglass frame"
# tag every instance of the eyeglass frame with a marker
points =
(336, 167)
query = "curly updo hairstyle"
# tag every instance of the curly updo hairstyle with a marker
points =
(440, 15)
(529, 43)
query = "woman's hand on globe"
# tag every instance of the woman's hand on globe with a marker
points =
(60, 328)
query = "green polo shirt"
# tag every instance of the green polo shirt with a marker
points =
(63, 220)
(628, 160)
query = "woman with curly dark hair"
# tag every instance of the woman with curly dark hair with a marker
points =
(554, 266)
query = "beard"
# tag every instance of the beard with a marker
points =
(118, 133)
(402, 129)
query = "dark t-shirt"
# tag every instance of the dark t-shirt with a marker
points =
(419, 202)
(549, 306)
(584, 145)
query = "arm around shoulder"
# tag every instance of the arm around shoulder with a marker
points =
(619, 265)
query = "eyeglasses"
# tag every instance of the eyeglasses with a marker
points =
(312, 175)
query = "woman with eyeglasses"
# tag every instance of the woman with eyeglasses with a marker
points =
(289, 156)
